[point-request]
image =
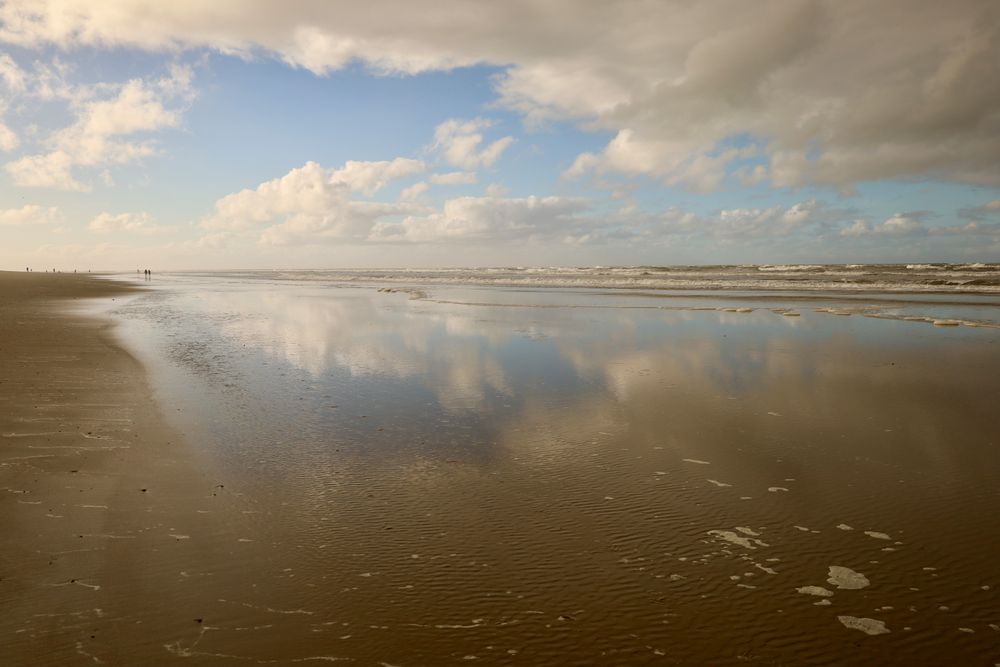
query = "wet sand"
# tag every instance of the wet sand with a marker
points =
(374, 479)
(98, 496)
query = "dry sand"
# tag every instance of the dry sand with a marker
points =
(98, 497)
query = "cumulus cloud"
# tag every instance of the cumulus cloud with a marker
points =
(107, 131)
(11, 74)
(493, 218)
(106, 223)
(8, 138)
(899, 224)
(313, 204)
(455, 178)
(460, 143)
(414, 191)
(12, 78)
(829, 98)
(767, 222)
(369, 177)
(857, 228)
(30, 214)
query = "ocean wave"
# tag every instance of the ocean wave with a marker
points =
(944, 278)
(790, 267)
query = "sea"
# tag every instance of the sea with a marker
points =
(946, 278)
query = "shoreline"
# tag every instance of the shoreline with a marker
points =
(98, 492)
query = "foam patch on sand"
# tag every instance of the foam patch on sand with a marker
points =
(815, 590)
(844, 526)
(869, 626)
(877, 535)
(737, 539)
(718, 483)
(846, 578)
(704, 463)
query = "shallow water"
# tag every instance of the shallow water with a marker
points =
(549, 476)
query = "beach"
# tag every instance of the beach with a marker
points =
(99, 494)
(265, 469)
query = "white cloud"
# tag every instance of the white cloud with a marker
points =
(105, 129)
(106, 223)
(767, 222)
(369, 177)
(751, 177)
(481, 218)
(455, 178)
(414, 191)
(8, 138)
(12, 77)
(459, 142)
(11, 74)
(311, 204)
(48, 170)
(900, 225)
(857, 228)
(30, 214)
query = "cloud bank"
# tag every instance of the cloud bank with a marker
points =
(792, 92)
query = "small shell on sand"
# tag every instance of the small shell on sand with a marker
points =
(869, 626)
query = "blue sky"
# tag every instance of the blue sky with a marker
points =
(322, 136)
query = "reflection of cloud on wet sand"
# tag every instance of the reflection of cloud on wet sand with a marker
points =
(358, 333)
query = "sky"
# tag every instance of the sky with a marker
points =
(320, 134)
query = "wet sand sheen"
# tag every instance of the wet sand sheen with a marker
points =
(520, 489)
(116, 544)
